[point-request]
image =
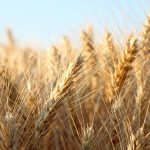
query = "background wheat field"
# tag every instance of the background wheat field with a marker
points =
(93, 96)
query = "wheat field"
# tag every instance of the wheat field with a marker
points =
(94, 97)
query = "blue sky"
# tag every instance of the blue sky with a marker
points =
(44, 21)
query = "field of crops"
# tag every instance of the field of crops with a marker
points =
(92, 97)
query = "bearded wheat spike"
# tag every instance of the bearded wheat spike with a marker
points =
(53, 62)
(90, 56)
(111, 48)
(88, 46)
(123, 67)
(146, 38)
(61, 90)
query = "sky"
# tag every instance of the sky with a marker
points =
(45, 21)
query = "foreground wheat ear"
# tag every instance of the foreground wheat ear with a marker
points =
(41, 126)
(59, 93)
(76, 98)
(124, 66)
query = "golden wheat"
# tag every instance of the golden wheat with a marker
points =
(63, 98)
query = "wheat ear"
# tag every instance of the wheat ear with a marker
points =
(58, 94)
(123, 67)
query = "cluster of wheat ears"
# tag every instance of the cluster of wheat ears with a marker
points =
(97, 97)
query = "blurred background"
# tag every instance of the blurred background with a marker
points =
(45, 21)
